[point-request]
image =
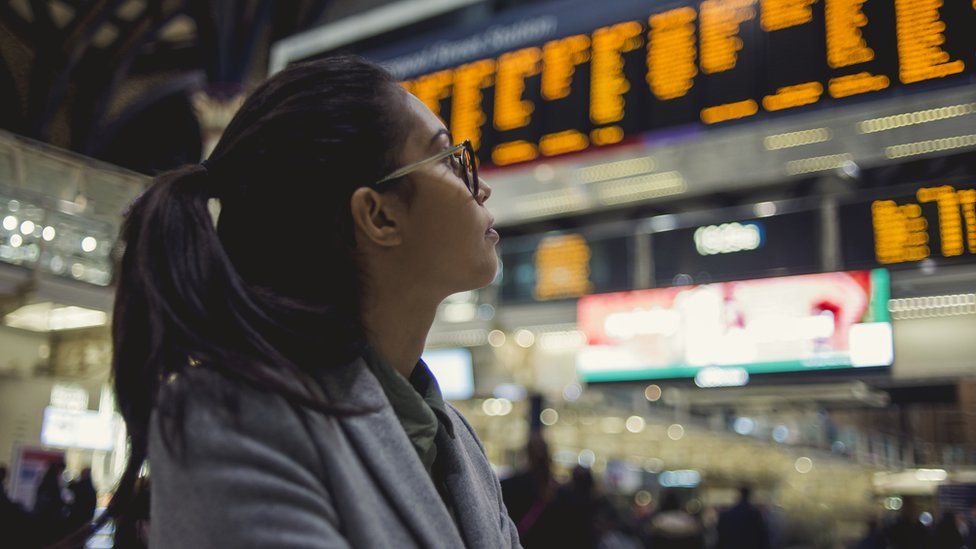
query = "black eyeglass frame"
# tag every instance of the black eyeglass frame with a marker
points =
(466, 157)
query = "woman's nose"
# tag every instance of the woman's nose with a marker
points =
(484, 191)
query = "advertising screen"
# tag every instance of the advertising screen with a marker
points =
(721, 333)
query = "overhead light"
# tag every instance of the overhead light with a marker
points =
(914, 118)
(930, 146)
(615, 170)
(796, 139)
(932, 306)
(817, 163)
(641, 187)
(49, 317)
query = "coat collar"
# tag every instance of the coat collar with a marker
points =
(383, 447)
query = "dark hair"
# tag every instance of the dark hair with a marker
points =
(273, 293)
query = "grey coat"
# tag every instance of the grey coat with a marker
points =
(261, 480)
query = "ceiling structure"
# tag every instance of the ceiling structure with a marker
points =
(116, 79)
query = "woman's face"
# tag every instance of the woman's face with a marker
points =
(447, 235)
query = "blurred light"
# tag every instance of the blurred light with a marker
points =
(893, 503)
(544, 173)
(838, 447)
(781, 433)
(642, 498)
(661, 223)
(803, 465)
(572, 392)
(13, 206)
(77, 270)
(46, 317)
(492, 407)
(16, 240)
(548, 416)
(930, 146)
(57, 264)
(44, 352)
(49, 233)
(524, 338)
(927, 266)
(615, 170)
(586, 458)
(932, 306)
(694, 506)
(89, 244)
(796, 139)
(641, 187)
(504, 406)
(486, 311)
(850, 170)
(654, 465)
(680, 479)
(913, 118)
(817, 163)
(744, 425)
(925, 518)
(727, 238)
(721, 377)
(635, 424)
(612, 425)
(931, 475)
(682, 279)
(10, 223)
(764, 209)
(562, 341)
(496, 338)
(27, 227)
(452, 312)
(676, 431)
(510, 391)
(652, 393)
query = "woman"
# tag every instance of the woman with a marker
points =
(269, 369)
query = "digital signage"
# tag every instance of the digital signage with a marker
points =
(721, 333)
(776, 245)
(569, 76)
(930, 222)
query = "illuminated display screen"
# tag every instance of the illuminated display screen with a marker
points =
(721, 333)
(707, 63)
(936, 222)
(771, 246)
(565, 266)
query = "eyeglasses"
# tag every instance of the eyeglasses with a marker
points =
(462, 161)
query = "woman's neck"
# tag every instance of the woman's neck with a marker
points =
(397, 324)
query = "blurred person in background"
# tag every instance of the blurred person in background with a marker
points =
(529, 496)
(82, 507)
(50, 512)
(14, 520)
(908, 532)
(674, 528)
(946, 534)
(273, 380)
(743, 526)
(874, 537)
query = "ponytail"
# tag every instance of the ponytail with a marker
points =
(190, 293)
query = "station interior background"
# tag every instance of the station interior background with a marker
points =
(738, 236)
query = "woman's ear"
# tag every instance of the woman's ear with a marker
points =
(376, 217)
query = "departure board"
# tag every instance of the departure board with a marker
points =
(709, 63)
(937, 222)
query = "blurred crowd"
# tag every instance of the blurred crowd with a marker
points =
(578, 514)
(60, 508)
